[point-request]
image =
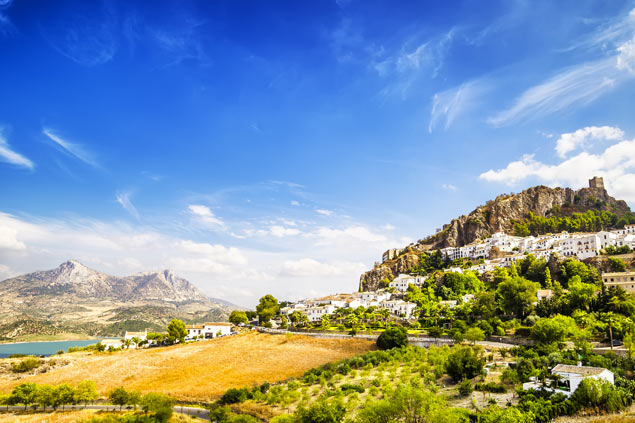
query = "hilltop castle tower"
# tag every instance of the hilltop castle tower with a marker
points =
(597, 182)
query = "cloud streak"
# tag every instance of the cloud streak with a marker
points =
(124, 198)
(74, 150)
(448, 105)
(573, 87)
(10, 156)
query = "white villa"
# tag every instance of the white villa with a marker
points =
(570, 378)
(209, 330)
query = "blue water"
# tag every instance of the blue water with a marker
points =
(41, 348)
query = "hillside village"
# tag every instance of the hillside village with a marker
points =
(507, 249)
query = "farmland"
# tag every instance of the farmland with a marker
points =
(198, 372)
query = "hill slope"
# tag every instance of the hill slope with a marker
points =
(74, 298)
(199, 371)
(501, 214)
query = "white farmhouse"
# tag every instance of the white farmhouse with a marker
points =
(215, 329)
(571, 377)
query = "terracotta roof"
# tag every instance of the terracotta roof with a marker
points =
(195, 326)
(579, 370)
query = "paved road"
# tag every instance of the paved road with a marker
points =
(414, 340)
(190, 411)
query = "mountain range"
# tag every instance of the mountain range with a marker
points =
(73, 298)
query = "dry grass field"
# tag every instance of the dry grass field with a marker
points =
(71, 417)
(200, 371)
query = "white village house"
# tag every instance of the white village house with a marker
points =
(209, 330)
(570, 378)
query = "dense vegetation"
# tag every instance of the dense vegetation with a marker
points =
(590, 221)
(406, 385)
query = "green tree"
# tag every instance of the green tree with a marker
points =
(382, 411)
(134, 398)
(45, 395)
(159, 405)
(616, 265)
(237, 317)
(414, 404)
(393, 337)
(516, 296)
(86, 392)
(474, 334)
(177, 330)
(118, 396)
(322, 411)
(464, 363)
(267, 308)
(548, 282)
(25, 393)
(580, 294)
(555, 329)
(64, 394)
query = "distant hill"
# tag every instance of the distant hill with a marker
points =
(540, 208)
(73, 298)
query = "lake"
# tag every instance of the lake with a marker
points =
(41, 348)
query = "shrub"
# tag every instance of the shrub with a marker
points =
(352, 387)
(393, 337)
(322, 411)
(491, 387)
(26, 365)
(235, 396)
(465, 388)
(464, 363)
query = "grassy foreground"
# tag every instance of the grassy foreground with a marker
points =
(72, 417)
(200, 371)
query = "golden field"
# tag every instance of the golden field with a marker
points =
(71, 417)
(200, 371)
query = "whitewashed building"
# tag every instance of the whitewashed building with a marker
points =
(401, 282)
(570, 378)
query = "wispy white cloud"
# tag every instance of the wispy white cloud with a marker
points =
(10, 156)
(6, 26)
(324, 212)
(583, 137)
(206, 215)
(616, 163)
(582, 83)
(449, 187)
(124, 198)
(448, 105)
(573, 87)
(181, 41)
(75, 150)
(88, 40)
(295, 203)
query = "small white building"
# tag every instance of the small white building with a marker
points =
(111, 344)
(571, 377)
(399, 307)
(216, 329)
(401, 282)
(315, 313)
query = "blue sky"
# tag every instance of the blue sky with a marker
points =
(281, 146)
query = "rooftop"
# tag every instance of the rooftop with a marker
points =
(579, 370)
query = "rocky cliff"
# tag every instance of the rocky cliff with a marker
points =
(496, 215)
